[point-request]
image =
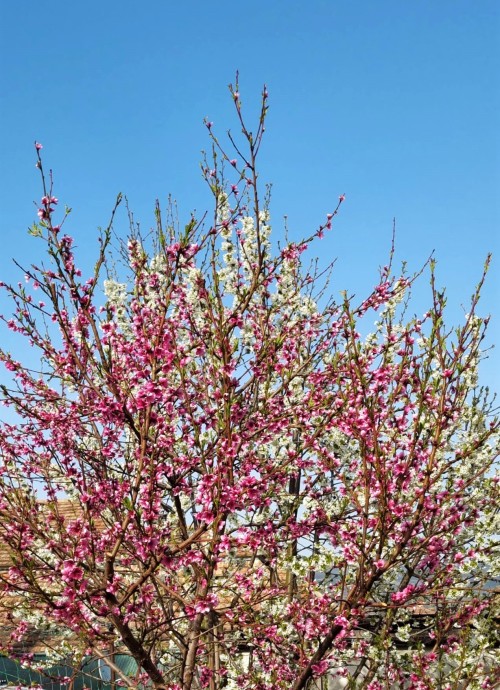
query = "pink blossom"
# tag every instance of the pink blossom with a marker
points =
(71, 571)
(320, 668)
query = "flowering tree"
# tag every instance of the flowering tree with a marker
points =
(214, 472)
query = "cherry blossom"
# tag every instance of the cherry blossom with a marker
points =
(234, 479)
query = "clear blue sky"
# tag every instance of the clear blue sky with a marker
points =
(395, 103)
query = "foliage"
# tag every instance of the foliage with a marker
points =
(214, 472)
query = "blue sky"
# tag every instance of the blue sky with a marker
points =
(394, 103)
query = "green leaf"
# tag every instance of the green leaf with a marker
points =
(35, 230)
